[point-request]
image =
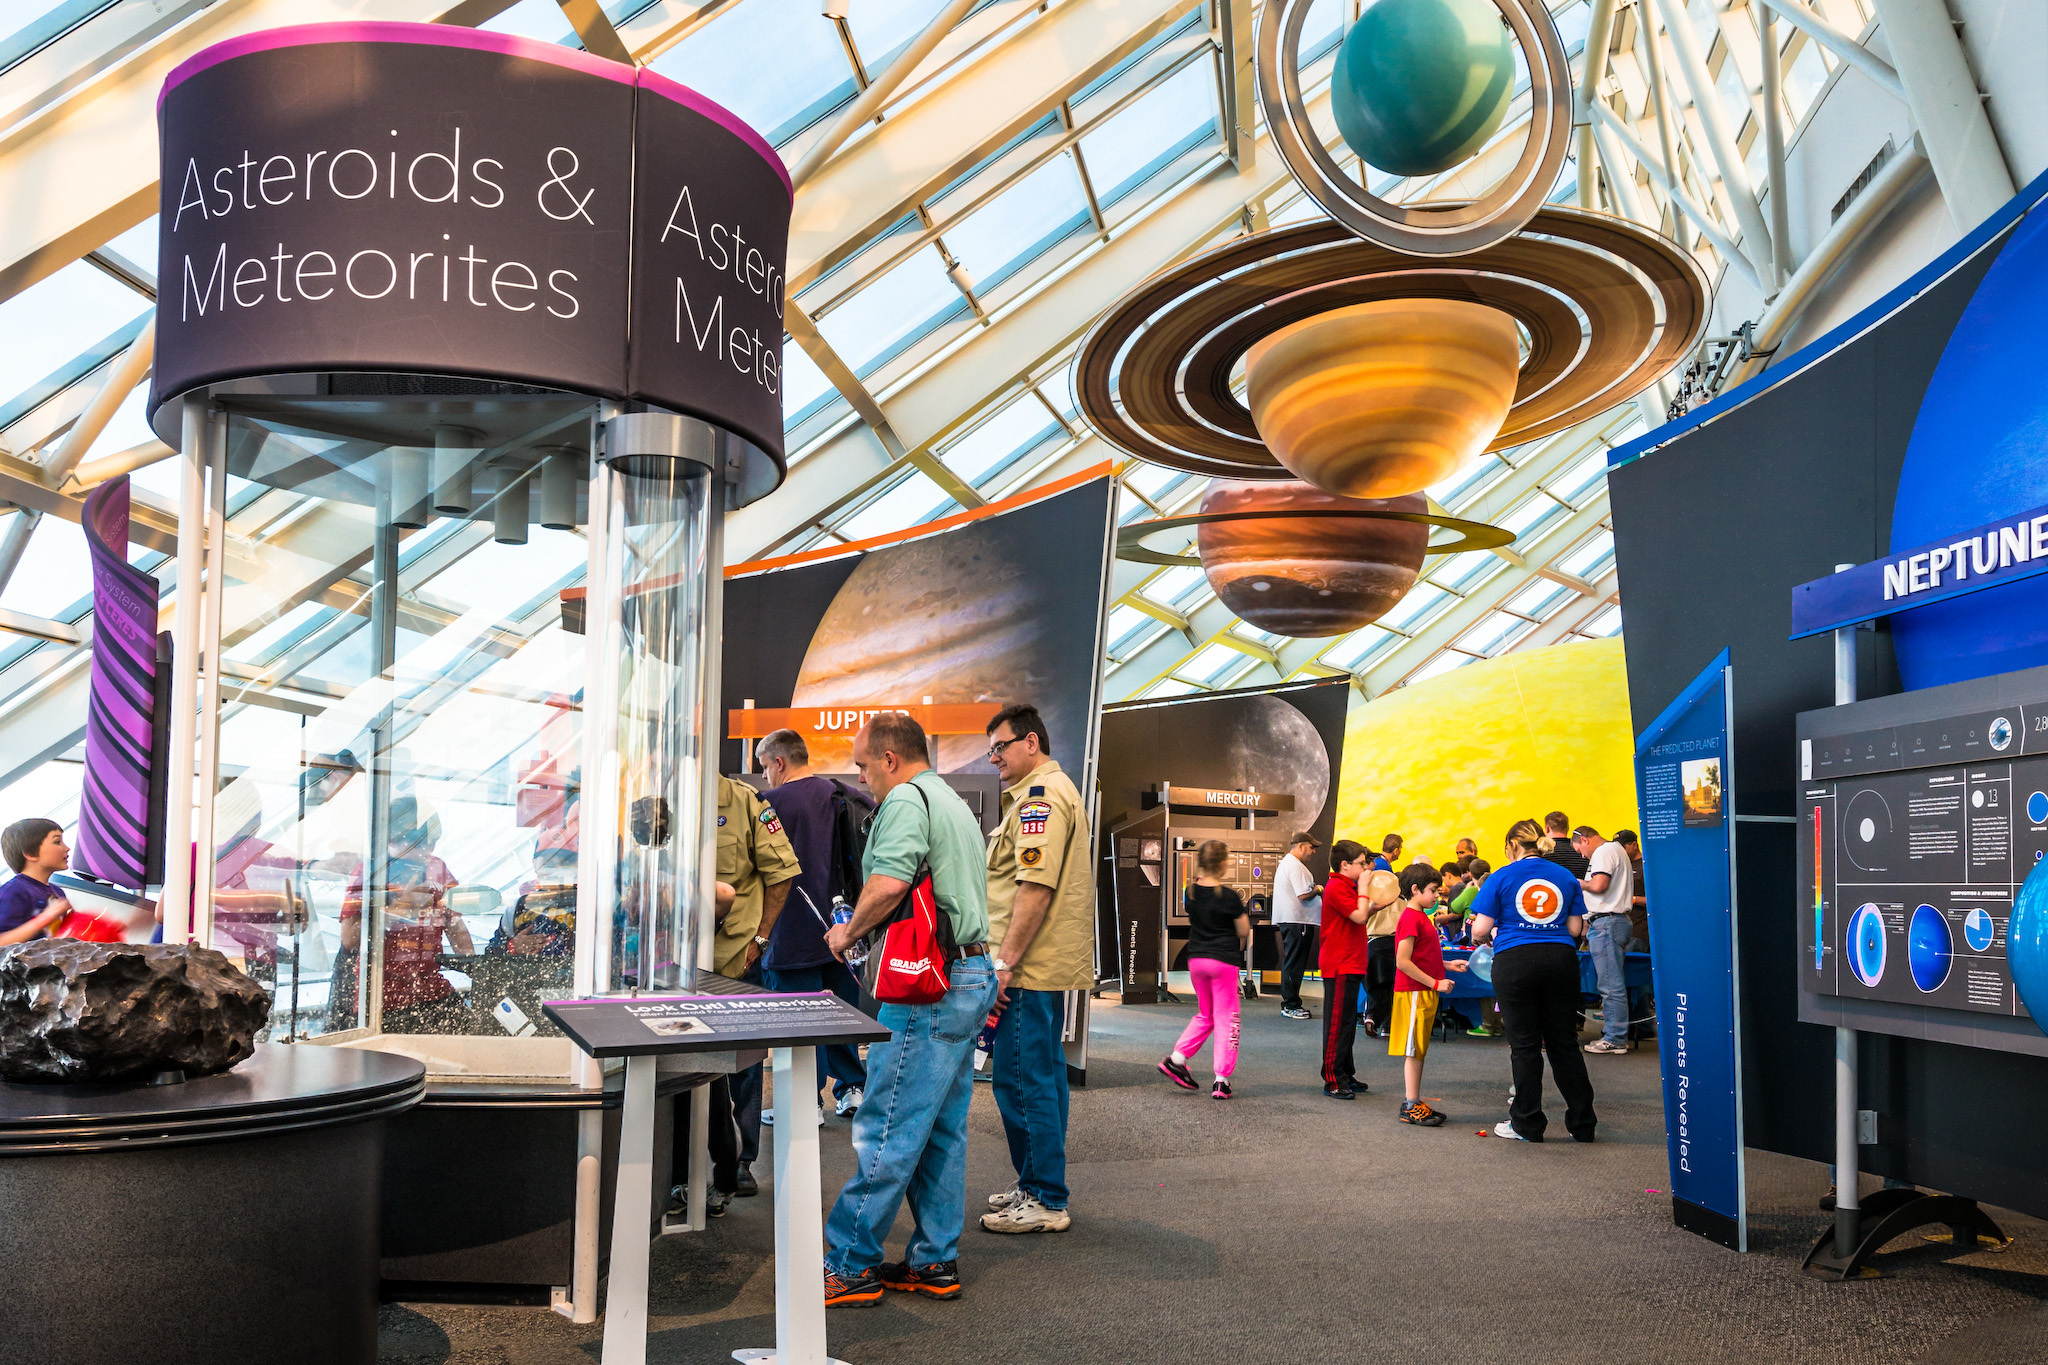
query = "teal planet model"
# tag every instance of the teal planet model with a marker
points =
(1420, 85)
(1930, 948)
(2026, 944)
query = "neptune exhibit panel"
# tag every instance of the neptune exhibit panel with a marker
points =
(1921, 817)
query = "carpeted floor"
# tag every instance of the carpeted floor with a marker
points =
(1284, 1227)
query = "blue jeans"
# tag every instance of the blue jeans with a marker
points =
(1031, 1092)
(841, 1061)
(1607, 938)
(910, 1136)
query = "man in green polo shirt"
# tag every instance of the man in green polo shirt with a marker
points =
(910, 1133)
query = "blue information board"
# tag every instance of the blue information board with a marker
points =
(1688, 829)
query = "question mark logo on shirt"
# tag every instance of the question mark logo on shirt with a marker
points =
(1538, 902)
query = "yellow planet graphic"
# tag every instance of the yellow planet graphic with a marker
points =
(1467, 754)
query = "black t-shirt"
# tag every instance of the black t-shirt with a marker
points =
(805, 809)
(1212, 923)
(1567, 857)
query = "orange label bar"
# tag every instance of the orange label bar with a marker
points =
(842, 721)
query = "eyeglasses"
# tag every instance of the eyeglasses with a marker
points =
(995, 750)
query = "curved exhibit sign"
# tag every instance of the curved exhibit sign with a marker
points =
(429, 199)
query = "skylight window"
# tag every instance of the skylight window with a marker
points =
(780, 95)
(1177, 112)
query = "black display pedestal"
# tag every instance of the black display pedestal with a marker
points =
(233, 1217)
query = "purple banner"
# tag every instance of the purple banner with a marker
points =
(115, 821)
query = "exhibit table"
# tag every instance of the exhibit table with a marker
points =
(231, 1217)
(721, 1015)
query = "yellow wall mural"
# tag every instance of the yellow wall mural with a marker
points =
(1469, 753)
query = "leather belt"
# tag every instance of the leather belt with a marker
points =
(971, 950)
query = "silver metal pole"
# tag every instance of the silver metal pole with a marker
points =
(1774, 140)
(177, 890)
(1848, 1161)
(383, 666)
(208, 785)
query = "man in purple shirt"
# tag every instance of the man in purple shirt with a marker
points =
(797, 959)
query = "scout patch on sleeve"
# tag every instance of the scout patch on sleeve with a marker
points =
(1031, 857)
(721, 822)
(771, 821)
(1032, 815)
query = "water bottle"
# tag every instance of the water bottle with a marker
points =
(842, 913)
(984, 1045)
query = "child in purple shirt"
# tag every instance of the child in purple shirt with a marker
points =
(36, 850)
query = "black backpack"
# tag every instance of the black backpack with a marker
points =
(851, 815)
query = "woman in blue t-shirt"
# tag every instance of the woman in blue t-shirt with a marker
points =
(1533, 913)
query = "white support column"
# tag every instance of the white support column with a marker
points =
(207, 787)
(1774, 139)
(1947, 109)
(799, 1217)
(1848, 1159)
(625, 1304)
(177, 890)
(589, 1192)
(1599, 34)
(1706, 99)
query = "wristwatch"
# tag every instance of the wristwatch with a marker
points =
(762, 941)
(998, 965)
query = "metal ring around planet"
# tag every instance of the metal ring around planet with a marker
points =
(1421, 229)
(1474, 535)
(1608, 307)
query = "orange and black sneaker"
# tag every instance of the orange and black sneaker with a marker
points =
(1418, 1111)
(853, 1291)
(940, 1280)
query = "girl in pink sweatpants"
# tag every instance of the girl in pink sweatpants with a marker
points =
(1218, 930)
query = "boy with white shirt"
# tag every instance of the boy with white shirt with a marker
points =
(1609, 885)
(1297, 910)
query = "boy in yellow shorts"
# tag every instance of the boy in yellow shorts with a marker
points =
(1418, 980)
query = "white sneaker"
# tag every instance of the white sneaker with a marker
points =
(998, 1202)
(768, 1117)
(1026, 1215)
(1606, 1048)
(1506, 1129)
(848, 1102)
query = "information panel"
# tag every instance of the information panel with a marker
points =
(1687, 797)
(1920, 816)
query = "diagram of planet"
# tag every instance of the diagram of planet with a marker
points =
(1866, 944)
(1929, 948)
(2000, 733)
(1303, 576)
(2026, 944)
(1867, 830)
(2037, 808)
(961, 618)
(1979, 929)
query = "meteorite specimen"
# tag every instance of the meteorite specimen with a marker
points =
(98, 1012)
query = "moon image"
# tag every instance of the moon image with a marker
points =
(1977, 798)
(1271, 747)
(1866, 944)
(961, 618)
(1868, 821)
(1929, 948)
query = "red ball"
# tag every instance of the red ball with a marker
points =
(1309, 577)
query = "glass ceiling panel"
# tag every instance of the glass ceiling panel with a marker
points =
(1021, 221)
(1169, 687)
(1354, 648)
(1538, 599)
(1582, 560)
(1581, 476)
(1485, 637)
(882, 28)
(1176, 583)
(880, 320)
(1151, 131)
(1018, 427)
(137, 245)
(803, 383)
(1420, 601)
(914, 501)
(54, 575)
(1124, 625)
(1440, 665)
(780, 97)
(54, 319)
(540, 19)
(28, 25)
(1607, 622)
(1210, 663)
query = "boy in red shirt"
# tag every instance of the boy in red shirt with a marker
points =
(1342, 964)
(1418, 980)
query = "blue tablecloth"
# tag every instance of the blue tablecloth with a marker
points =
(1470, 987)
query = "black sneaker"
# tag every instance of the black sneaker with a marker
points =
(1339, 1092)
(716, 1202)
(1295, 1012)
(748, 1186)
(1827, 1201)
(1418, 1111)
(1178, 1073)
(940, 1280)
(1221, 1090)
(853, 1291)
(1372, 1029)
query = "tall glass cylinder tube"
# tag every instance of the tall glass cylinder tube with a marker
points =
(662, 563)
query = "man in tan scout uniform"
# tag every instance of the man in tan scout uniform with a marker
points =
(757, 862)
(1041, 912)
